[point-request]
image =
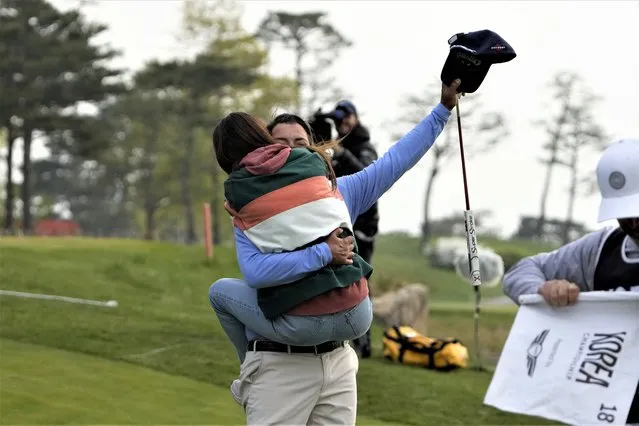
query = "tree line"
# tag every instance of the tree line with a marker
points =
(571, 130)
(129, 153)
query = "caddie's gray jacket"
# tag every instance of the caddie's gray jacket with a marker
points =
(575, 262)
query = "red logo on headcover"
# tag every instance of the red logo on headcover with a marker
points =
(498, 47)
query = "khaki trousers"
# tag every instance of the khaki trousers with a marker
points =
(300, 389)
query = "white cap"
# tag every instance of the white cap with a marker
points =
(618, 180)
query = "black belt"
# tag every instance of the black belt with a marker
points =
(266, 346)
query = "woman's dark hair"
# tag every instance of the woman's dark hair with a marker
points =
(287, 118)
(239, 134)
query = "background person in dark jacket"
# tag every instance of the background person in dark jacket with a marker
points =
(354, 153)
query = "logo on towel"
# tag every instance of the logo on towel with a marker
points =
(602, 351)
(534, 350)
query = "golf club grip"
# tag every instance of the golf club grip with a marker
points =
(473, 253)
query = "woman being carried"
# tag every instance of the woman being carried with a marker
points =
(284, 200)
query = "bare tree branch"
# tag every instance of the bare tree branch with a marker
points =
(316, 44)
(486, 129)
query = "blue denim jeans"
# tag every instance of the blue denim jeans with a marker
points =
(235, 304)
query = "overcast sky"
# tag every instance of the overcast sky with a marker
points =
(399, 48)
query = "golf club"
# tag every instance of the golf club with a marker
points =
(471, 242)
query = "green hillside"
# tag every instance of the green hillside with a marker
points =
(161, 357)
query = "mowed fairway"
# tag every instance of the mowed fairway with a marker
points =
(41, 385)
(161, 357)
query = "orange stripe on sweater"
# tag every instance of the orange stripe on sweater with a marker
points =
(283, 199)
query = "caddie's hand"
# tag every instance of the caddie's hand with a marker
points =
(559, 292)
(341, 248)
(450, 95)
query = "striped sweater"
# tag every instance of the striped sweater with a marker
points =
(282, 201)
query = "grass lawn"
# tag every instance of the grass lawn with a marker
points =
(84, 389)
(161, 357)
(68, 387)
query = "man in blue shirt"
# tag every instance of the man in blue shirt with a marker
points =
(316, 385)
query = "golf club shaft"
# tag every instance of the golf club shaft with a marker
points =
(461, 150)
(471, 243)
(476, 318)
(469, 219)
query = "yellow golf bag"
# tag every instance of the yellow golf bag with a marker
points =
(405, 345)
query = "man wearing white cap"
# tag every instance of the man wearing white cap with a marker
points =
(605, 260)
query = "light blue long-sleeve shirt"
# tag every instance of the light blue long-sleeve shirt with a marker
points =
(360, 191)
(575, 262)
